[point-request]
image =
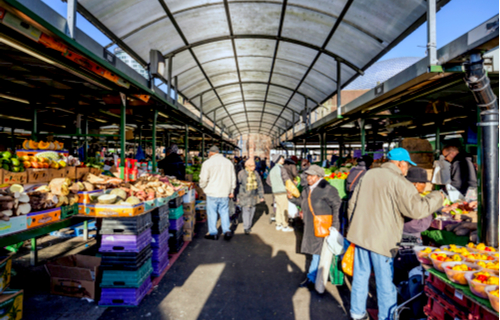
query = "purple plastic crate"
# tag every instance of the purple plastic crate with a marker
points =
(126, 243)
(159, 240)
(124, 297)
(176, 224)
(158, 267)
(159, 254)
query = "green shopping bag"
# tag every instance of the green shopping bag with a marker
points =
(336, 274)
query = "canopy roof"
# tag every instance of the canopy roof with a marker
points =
(254, 65)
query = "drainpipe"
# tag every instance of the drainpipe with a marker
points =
(479, 83)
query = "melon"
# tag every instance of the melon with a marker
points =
(43, 145)
(48, 155)
(107, 199)
(33, 145)
(133, 200)
(119, 193)
(26, 144)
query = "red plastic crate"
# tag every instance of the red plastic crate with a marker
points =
(439, 303)
(480, 313)
(450, 292)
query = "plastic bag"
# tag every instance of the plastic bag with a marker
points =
(292, 188)
(348, 260)
(325, 262)
(442, 172)
(336, 276)
(335, 242)
(293, 212)
(453, 194)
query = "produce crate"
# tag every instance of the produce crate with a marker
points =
(84, 196)
(57, 173)
(160, 226)
(68, 211)
(201, 215)
(158, 267)
(188, 235)
(14, 177)
(160, 240)
(175, 203)
(176, 224)
(131, 261)
(108, 210)
(81, 172)
(150, 205)
(175, 241)
(161, 210)
(38, 175)
(71, 172)
(5, 272)
(11, 305)
(134, 225)
(40, 218)
(439, 305)
(201, 205)
(189, 222)
(124, 297)
(189, 208)
(176, 213)
(126, 279)
(189, 196)
(160, 254)
(15, 224)
(125, 243)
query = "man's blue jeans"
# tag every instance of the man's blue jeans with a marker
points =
(364, 260)
(220, 206)
(313, 268)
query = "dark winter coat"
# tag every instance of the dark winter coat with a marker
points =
(355, 175)
(463, 173)
(325, 200)
(249, 198)
(291, 168)
(173, 166)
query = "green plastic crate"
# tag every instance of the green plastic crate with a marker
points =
(68, 211)
(176, 213)
(126, 279)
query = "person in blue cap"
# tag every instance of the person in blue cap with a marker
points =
(377, 210)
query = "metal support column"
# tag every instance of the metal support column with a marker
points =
(71, 18)
(140, 136)
(34, 134)
(86, 132)
(438, 140)
(201, 108)
(33, 253)
(155, 119)
(186, 146)
(168, 140)
(479, 83)
(202, 147)
(85, 230)
(169, 79)
(176, 91)
(431, 33)
(123, 143)
(363, 136)
(339, 89)
(321, 142)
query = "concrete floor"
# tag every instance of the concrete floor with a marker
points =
(250, 277)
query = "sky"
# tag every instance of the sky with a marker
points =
(453, 20)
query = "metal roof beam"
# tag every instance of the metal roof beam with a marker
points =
(241, 112)
(275, 103)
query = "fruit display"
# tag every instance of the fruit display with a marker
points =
(14, 202)
(456, 271)
(491, 266)
(456, 249)
(42, 145)
(439, 257)
(334, 173)
(195, 170)
(481, 247)
(42, 162)
(149, 188)
(473, 257)
(11, 163)
(422, 253)
(478, 282)
(492, 293)
(92, 162)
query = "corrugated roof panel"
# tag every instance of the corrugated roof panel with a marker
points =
(203, 22)
(247, 20)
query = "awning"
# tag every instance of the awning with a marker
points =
(257, 64)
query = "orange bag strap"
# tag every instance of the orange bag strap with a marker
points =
(355, 178)
(310, 205)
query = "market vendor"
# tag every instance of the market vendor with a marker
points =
(413, 227)
(172, 165)
(319, 198)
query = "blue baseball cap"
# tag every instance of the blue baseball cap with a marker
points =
(400, 154)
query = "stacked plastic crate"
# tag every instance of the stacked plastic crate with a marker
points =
(159, 243)
(176, 223)
(126, 260)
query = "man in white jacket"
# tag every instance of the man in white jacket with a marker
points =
(218, 181)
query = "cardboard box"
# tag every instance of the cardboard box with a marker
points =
(202, 215)
(71, 172)
(15, 224)
(11, 305)
(111, 210)
(81, 172)
(189, 208)
(189, 177)
(84, 196)
(57, 173)
(38, 175)
(201, 205)
(14, 177)
(82, 209)
(202, 197)
(95, 171)
(188, 234)
(40, 218)
(5, 272)
(74, 276)
(189, 222)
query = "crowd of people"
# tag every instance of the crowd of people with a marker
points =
(384, 204)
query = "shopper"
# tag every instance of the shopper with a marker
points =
(376, 212)
(355, 174)
(318, 198)
(291, 168)
(463, 173)
(277, 179)
(218, 181)
(303, 177)
(250, 192)
(172, 165)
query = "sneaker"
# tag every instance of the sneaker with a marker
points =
(247, 231)
(228, 236)
(287, 229)
(279, 227)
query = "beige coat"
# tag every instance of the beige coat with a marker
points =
(378, 206)
(217, 177)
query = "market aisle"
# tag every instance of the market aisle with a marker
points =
(251, 277)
